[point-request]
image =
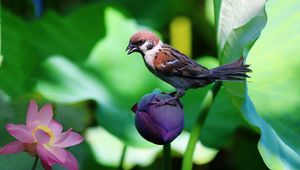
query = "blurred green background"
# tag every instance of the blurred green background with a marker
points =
(71, 53)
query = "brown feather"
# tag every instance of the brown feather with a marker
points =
(171, 62)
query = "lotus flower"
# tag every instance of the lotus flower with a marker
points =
(158, 124)
(43, 136)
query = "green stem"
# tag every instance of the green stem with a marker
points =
(122, 157)
(167, 156)
(35, 162)
(208, 101)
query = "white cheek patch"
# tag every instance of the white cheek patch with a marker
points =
(150, 54)
(144, 46)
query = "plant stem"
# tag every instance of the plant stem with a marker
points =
(35, 162)
(167, 156)
(122, 157)
(187, 163)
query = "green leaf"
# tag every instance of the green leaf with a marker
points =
(231, 16)
(222, 122)
(279, 144)
(275, 85)
(65, 82)
(75, 115)
(18, 162)
(72, 36)
(102, 141)
(16, 68)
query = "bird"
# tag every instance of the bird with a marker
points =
(179, 70)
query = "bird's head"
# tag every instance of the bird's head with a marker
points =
(142, 42)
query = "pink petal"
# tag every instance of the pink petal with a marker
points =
(55, 127)
(49, 157)
(33, 125)
(61, 137)
(46, 166)
(42, 137)
(67, 139)
(46, 156)
(31, 113)
(59, 153)
(13, 147)
(71, 162)
(45, 114)
(20, 132)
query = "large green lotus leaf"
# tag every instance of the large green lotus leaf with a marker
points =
(275, 86)
(64, 82)
(16, 65)
(231, 15)
(278, 144)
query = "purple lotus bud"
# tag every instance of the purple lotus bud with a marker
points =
(159, 124)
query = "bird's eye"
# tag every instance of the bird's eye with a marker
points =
(140, 42)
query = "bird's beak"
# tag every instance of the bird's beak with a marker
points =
(131, 48)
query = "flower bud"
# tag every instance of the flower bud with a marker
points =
(159, 124)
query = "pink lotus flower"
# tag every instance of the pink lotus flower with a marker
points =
(43, 136)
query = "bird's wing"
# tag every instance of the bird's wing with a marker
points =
(172, 62)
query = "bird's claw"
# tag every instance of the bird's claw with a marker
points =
(158, 102)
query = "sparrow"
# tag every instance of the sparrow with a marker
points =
(177, 69)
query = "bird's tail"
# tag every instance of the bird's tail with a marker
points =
(235, 71)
